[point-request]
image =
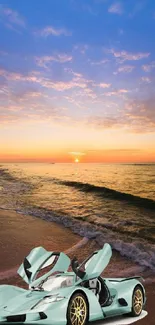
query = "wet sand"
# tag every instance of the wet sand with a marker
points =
(20, 233)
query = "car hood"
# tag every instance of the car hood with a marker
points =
(24, 301)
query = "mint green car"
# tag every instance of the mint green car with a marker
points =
(58, 297)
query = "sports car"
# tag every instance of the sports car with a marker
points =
(57, 296)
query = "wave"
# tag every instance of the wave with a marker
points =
(140, 252)
(140, 164)
(106, 192)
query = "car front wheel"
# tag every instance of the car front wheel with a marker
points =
(77, 313)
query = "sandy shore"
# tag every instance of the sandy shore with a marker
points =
(20, 233)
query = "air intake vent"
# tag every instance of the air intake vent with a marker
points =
(16, 318)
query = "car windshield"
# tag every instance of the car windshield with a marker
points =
(56, 282)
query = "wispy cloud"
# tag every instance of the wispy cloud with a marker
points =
(36, 113)
(146, 79)
(116, 8)
(51, 30)
(117, 92)
(33, 103)
(137, 117)
(75, 74)
(104, 85)
(124, 69)
(99, 62)
(44, 61)
(11, 18)
(81, 48)
(77, 81)
(89, 9)
(106, 122)
(148, 67)
(127, 56)
(141, 115)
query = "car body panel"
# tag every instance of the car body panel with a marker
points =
(26, 300)
(35, 306)
(38, 259)
(96, 263)
(122, 289)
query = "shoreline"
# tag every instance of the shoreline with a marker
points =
(22, 232)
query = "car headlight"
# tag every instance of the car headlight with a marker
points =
(47, 300)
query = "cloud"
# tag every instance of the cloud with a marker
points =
(105, 122)
(125, 69)
(148, 67)
(11, 18)
(140, 114)
(81, 48)
(32, 102)
(76, 82)
(117, 92)
(146, 79)
(50, 30)
(75, 74)
(116, 8)
(126, 56)
(36, 113)
(15, 76)
(104, 85)
(137, 117)
(30, 106)
(99, 62)
(44, 61)
(88, 8)
(84, 84)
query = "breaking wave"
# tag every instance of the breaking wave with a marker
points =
(139, 251)
(110, 193)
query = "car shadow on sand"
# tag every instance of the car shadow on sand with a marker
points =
(121, 320)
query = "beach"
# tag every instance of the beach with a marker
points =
(76, 210)
(25, 232)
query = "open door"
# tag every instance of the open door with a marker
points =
(93, 266)
(38, 260)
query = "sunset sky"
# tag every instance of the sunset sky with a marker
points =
(77, 80)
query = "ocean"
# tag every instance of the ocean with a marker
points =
(112, 203)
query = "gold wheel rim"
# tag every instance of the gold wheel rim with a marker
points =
(138, 301)
(78, 311)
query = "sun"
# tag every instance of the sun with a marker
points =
(76, 160)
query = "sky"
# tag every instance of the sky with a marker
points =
(77, 81)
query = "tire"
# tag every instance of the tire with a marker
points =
(77, 312)
(137, 301)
